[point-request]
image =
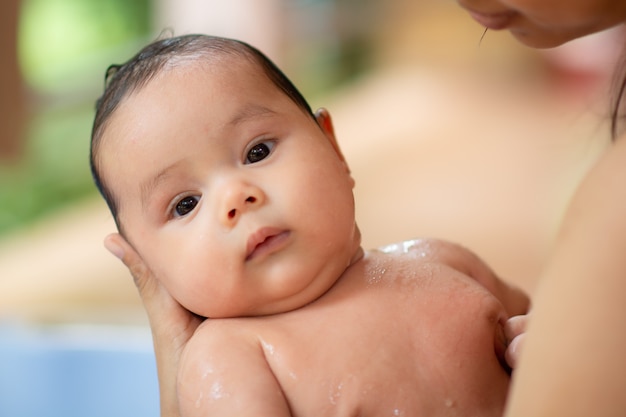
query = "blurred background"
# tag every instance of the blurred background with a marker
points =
(480, 142)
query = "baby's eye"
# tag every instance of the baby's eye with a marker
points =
(259, 152)
(186, 205)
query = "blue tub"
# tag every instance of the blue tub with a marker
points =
(77, 371)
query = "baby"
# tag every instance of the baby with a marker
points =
(237, 197)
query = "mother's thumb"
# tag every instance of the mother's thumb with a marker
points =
(115, 243)
(121, 249)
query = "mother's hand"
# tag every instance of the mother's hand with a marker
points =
(172, 325)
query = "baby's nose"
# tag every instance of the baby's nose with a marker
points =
(238, 199)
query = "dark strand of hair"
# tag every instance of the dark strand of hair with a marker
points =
(480, 41)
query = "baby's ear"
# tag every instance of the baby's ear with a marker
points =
(322, 116)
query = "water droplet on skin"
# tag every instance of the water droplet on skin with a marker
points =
(208, 371)
(390, 248)
(407, 245)
(375, 273)
(403, 247)
(199, 400)
(334, 395)
(217, 391)
(269, 349)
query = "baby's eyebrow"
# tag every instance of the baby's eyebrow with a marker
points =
(147, 187)
(250, 111)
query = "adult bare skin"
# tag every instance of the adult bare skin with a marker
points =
(572, 362)
(172, 325)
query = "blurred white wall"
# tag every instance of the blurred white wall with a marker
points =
(444, 140)
(259, 22)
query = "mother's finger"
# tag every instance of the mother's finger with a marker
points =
(118, 246)
(172, 325)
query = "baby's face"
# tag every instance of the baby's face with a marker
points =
(234, 198)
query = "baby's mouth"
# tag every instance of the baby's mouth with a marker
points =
(265, 241)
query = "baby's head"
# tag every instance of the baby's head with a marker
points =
(122, 80)
(232, 191)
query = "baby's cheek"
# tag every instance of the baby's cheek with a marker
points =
(189, 284)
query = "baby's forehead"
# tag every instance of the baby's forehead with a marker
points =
(234, 63)
(203, 80)
(230, 72)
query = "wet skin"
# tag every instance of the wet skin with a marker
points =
(402, 333)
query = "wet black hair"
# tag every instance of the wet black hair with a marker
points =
(124, 79)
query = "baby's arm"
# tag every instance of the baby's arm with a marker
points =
(225, 373)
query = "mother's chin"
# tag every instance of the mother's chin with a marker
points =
(540, 38)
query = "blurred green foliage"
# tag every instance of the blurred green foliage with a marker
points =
(60, 38)
(64, 49)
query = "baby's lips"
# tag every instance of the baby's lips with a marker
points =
(264, 240)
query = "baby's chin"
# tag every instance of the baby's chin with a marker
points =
(233, 311)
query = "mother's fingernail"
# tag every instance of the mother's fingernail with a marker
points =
(116, 250)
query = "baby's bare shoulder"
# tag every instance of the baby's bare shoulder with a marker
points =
(215, 333)
(439, 252)
(229, 339)
(432, 250)
(458, 259)
(224, 368)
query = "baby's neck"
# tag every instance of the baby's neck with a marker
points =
(358, 255)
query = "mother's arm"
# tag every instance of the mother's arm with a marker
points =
(172, 325)
(573, 362)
